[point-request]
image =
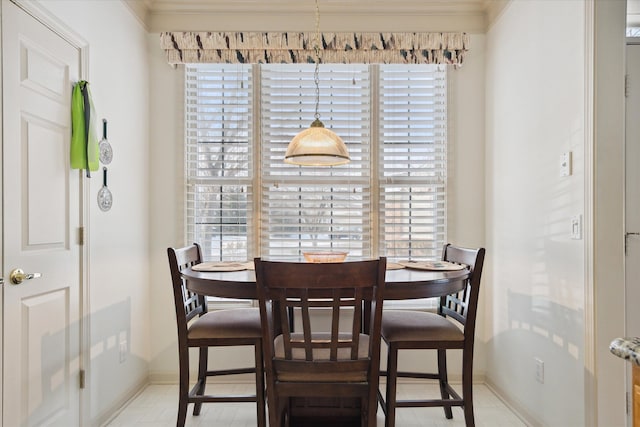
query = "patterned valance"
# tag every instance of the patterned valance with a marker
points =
(295, 47)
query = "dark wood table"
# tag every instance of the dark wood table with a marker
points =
(400, 284)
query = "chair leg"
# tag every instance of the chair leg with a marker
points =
(183, 392)
(392, 380)
(283, 415)
(273, 406)
(442, 373)
(368, 409)
(260, 406)
(372, 404)
(203, 357)
(468, 414)
(182, 411)
(467, 388)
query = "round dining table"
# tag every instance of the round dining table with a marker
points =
(402, 283)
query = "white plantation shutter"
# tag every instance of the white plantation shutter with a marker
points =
(312, 208)
(218, 164)
(413, 163)
(390, 200)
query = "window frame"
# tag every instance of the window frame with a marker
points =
(376, 178)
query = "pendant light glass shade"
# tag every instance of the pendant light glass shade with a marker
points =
(317, 146)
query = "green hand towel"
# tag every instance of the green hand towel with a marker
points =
(84, 141)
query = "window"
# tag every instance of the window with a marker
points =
(310, 208)
(244, 201)
(218, 160)
(412, 161)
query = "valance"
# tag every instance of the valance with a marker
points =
(298, 47)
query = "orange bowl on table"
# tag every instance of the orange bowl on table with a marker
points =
(324, 256)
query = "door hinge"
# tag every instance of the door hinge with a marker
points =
(81, 378)
(628, 403)
(81, 236)
(626, 239)
(626, 85)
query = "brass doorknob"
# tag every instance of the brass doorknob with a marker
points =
(18, 276)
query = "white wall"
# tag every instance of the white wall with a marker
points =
(466, 184)
(167, 203)
(535, 91)
(533, 288)
(118, 239)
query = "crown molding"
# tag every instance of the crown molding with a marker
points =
(141, 10)
(307, 6)
(472, 16)
(331, 23)
(297, 15)
(493, 10)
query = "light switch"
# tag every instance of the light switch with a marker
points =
(576, 227)
(565, 164)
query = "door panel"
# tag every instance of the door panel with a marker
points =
(45, 201)
(42, 73)
(41, 218)
(48, 393)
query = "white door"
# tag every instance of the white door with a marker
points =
(41, 218)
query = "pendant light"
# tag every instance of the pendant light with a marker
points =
(317, 145)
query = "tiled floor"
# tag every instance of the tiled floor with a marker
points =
(156, 406)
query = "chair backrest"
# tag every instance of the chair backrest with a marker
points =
(187, 304)
(321, 353)
(463, 305)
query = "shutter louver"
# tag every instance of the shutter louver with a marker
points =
(315, 208)
(218, 110)
(413, 161)
(390, 200)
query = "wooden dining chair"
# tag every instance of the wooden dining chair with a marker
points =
(202, 329)
(324, 362)
(418, 330)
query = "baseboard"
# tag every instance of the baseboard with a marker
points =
(110, 414)
(172, 378)
(165, 378)
(453, 379)
(524, 415)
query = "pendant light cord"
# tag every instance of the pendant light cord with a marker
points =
(316, 74)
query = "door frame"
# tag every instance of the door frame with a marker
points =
(630, 41)
(46, 18)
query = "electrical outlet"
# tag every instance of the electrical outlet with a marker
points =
(123, 351)
(539, 371)
(565, 164)
(576, 227)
